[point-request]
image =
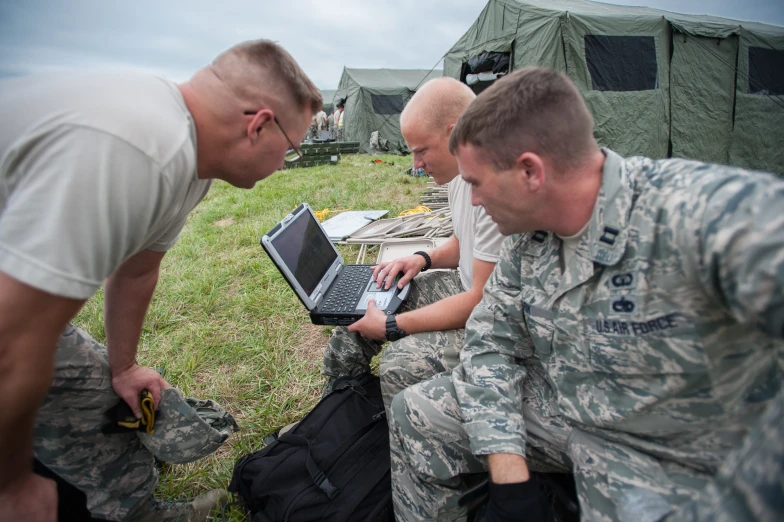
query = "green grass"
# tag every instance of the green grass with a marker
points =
(224, 325)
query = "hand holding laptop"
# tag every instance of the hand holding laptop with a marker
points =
(373, 325)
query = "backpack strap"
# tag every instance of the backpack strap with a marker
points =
(319, 477)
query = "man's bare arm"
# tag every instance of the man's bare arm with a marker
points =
(445, 256)
(127, 295)
(507, 468)
(447, 314)
(30, 323)
(450, 313)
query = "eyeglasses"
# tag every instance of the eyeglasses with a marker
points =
(298, 153)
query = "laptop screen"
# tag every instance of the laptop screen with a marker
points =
(305, 250)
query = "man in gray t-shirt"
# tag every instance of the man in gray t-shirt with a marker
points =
(98, 173)
(428, 332)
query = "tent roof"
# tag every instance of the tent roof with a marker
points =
(328, 95)
(385, 78)
(699, 24)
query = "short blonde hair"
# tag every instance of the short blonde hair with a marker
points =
(535, 109)
(280, 67)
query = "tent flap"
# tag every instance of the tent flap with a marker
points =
(702, 80)
(622, 68)
(758, 134)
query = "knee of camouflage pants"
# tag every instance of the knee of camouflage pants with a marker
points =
(115, 471)
(615, 482)
(429, 452)
(348, 354)
(416, 358)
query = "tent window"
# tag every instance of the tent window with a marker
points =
(387, 103)
(621, 63)
(480, 71)
(766, 71)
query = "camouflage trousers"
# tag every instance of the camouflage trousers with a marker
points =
(116, 471)
(432, 463)
(409, 360)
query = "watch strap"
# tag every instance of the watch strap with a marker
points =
(393, 333)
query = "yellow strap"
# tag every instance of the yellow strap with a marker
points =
(133, 424)
(421, 209)
(321, 215)
(148, 411)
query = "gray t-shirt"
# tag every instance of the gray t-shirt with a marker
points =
(94, 168)
(478, 234)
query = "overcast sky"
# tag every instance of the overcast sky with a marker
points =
(173, 38)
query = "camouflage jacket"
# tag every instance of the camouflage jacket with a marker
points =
(662, 334)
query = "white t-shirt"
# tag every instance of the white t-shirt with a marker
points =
(321, 118)
(569, 244)
(94, 168)
(478, 234)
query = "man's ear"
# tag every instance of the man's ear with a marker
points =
(449, 129)
(258, 122)
(531, 167)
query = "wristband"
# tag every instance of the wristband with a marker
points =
(428, 261)
(393, 333)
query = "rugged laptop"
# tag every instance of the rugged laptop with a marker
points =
(333, 293)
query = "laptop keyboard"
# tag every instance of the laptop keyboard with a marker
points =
(349, 287)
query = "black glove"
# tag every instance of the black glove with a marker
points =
(520, 501)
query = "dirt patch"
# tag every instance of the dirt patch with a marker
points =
(224, 222)
(312, 342)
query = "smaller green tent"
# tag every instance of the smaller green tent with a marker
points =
(374, 99)
(328, 95)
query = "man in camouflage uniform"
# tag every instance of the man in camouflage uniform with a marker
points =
(432, 319)
(339, 113)
(331, 125)
(321, 122)
(630, 333)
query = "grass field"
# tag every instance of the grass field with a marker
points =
(224, 325)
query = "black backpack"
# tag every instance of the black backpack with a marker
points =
(332, 466)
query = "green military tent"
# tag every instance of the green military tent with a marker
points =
(659, 84)
(328, 95)
(374, 99)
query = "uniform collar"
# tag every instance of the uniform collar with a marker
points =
(607, 232)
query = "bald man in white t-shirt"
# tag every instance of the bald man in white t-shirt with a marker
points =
(428, 333)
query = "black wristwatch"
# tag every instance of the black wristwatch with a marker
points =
(393, 332)
(428, 261)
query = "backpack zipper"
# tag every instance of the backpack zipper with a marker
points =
(294, 502)
(379, 507)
